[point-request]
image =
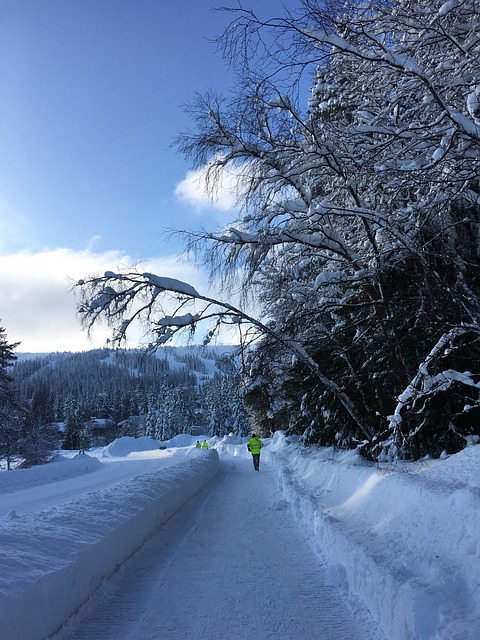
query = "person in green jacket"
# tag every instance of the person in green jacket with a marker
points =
(205, 445)
(198, 445)
(254, 445)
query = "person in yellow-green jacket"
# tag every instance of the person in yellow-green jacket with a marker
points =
(205, 445)
(254, 445)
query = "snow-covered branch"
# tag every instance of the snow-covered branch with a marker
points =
(164, 327)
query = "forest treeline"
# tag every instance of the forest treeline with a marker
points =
(79, 400)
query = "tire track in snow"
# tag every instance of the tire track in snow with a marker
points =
(231, 565)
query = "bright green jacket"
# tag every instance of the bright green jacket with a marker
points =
(254, 445)
(205, 445)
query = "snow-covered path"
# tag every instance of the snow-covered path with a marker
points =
(232, 564)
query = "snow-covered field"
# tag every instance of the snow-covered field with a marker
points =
(404, 539)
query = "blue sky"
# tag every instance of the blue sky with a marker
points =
(92, 95)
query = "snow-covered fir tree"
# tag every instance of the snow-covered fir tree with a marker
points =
(11, 414)
(73, 425)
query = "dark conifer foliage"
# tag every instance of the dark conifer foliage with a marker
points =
(7, 358)
(10, 411)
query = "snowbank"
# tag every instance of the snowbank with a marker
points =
(59, 469)
(128, 446)
(53, 560)
(123, 446)
(405, 539)
(185, 440)
(229, 445)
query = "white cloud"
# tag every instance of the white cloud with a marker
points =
(193, 191)
(38, 307)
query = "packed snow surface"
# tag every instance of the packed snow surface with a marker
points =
(137, 541)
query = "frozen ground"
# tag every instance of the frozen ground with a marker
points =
(319, 544)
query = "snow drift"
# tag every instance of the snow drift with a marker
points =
(404, 538)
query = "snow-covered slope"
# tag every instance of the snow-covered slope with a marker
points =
(405, 539)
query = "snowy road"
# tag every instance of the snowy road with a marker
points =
(232, 564)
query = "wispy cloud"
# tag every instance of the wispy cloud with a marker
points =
(38, 307)
(195, 191)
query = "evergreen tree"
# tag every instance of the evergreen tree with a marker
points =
(11, 430)
(73, 436)
(224, 406)
(38, 439)
(41, 407)
(7, 358)
(10, 412)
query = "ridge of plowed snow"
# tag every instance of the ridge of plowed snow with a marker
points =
(56, 558)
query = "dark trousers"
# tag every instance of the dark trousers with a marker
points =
(256, 461)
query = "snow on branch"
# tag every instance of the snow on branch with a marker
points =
(179, 321)
(171, 284)
(145, 290)
(424, 383)
(124, 299)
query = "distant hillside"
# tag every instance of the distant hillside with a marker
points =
(177, 389)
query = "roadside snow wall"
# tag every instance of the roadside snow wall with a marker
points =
(62, 554)
(406, 543)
